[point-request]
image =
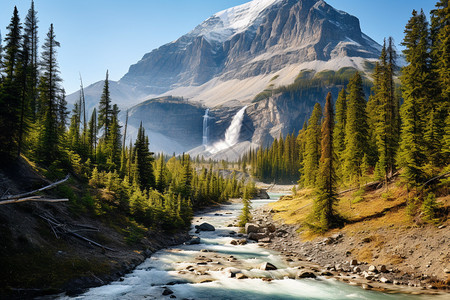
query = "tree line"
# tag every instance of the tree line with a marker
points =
(118, 178)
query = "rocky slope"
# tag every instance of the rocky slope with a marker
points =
(230, 58)
(258, 38)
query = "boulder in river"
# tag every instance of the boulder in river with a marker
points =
(205, 227)
(195, 240)
(241, 276)
(251, 227)
(256, 236)
(266, 266)
(305, 274)
(167, 292)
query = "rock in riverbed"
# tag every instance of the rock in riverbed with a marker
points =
(267, 266)
(205, 227)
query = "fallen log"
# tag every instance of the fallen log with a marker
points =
(50, 186)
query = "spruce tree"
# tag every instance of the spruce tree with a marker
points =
(312, 148)
(324, 214)
(10, 100)
(92, 135)
(440, 53)
(50, 101)
(356, 129)
(104, 111)
(339, 130)
(383, 114)
(32, 39)
(143, 160)
(415, 111)
(114, 141)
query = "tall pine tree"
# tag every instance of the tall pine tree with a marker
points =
(416, 81)
(312, 148)
(355, 129)
(50, 101)
(324, 214)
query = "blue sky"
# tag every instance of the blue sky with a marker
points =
(96, 35)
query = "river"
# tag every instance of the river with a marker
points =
(203, 271)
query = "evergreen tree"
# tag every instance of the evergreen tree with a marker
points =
(415, 111)
(10, 101)
(355, 129)
(104, 111)
(114, 142)
(384, 114)
(161, 172)
(92, 135)
(339, 130)
(440, 53)
(143, 160)
(32, 39)
(312, 148)
(50, 108)
(324, 214)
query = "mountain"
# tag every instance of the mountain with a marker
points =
(248, 45)
(240, 55)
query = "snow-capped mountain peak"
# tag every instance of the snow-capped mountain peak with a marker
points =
(224, 24)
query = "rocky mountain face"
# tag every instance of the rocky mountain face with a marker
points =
(227, 60)
(274, 34)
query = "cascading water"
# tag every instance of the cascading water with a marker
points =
(231, 135)
(205, 127)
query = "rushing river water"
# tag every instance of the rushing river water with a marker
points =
(179, 270)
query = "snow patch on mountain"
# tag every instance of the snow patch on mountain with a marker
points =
(224, 24)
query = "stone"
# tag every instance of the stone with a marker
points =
(233, 242)
(205, 227)
(305, 274)
(366, 240)
(256, 236)
(241, 276)
(447, 270)
(353, 262)
(326, 273)
(328, 241)
(383, 269)
(242, 241)
(385, 280)
(195, 240)
(232, 272)
(373, 269)
(265, 240)
(167, 292)
(271, 228)
(337, 236)
(266, 266)
(356, 269)
(251, 227)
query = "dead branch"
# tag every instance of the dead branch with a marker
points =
(89, 241)
(63, 229)
(436, 178)
(35, 198)
(50, 186)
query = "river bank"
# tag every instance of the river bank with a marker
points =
(334, 255)
(225, 264)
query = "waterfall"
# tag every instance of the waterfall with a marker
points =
(231, 135)
(205, 127)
